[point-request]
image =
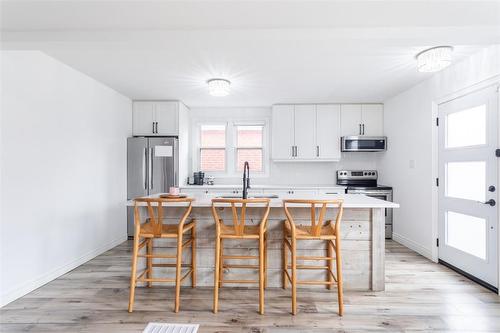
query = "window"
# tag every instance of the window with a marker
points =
(249, 148)
(213, 148)
(223, 148)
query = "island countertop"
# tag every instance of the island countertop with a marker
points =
(350, 200)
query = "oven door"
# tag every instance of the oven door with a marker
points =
(382, 195)
(364, 143)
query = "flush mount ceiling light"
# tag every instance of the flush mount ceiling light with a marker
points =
(434, 59)
(219, 87)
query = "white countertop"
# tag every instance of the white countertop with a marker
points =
(350, 201)
(257, 187)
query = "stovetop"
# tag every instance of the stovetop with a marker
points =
(376, 187)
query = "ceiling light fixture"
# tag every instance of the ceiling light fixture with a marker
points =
(219, 87)
(434, 59)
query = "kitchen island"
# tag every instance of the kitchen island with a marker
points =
(362, 234)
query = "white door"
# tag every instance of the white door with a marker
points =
(143, 118)
(282, 132)
(468, 184)
(166, 117)
(305, 129)
(328, 132)
(372, 119)
(350, 119)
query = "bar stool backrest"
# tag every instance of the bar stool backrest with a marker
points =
(155, 211)
(239, 220)
(316, 224)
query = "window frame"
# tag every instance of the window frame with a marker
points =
(231, 149)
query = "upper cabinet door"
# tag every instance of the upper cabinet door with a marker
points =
(350, 119)
(328, 132)
(282, 132)
(143, 118)
(373, 119)
(305, 131)
(167, 118)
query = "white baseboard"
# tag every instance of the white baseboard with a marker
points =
(27, 287)
(412, 245)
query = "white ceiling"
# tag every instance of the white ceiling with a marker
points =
(272, 51)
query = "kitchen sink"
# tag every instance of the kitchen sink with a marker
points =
(256, 196)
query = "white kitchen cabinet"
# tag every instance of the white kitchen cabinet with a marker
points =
(302, 133)
(291, 192)
(167, 118)
(283, 132)
(328, 131)
(373, 119)
(156, 118)
(305, 132)
(362, 119)
(350, 119)
(143, 118)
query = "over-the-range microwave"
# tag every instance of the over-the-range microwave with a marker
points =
(364, 143)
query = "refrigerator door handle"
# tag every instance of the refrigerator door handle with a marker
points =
(144, 168)
(150, 173)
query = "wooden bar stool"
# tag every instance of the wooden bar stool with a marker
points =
(316, 231)
(152, 228)
(240, 231)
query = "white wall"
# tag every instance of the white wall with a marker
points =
(410, 126)
(297, 173)
(63, 170)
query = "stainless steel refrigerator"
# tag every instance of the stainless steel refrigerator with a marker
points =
(152, 167)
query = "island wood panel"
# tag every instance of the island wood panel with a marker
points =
(357, 247)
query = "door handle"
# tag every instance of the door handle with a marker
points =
(490, 202)
(150, 168)
(144, 167)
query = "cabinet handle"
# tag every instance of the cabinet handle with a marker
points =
(156, 130)
(363, 129)
(317, 151)
(153, 127)
(292, 151)
(360, 129)
(296, 151)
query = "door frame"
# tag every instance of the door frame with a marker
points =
(493, 81)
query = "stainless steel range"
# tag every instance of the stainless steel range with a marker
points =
(365, 182)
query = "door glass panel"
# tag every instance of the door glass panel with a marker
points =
(466, 128)
(466, 233)
(466, 180)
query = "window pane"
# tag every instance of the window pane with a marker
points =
(466, 128)
(466, 180)
(466, 233)
(249, 136)
(212, 159)
(254, 158)
(213, 136)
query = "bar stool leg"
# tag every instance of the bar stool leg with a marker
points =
(294, 276)
(193, 257)
(178, 273)
(284, 278)
(338, 258)
(265, 260)
(133, 273)
(221, 263)
(216, 274)
(329, 253)
(261, 274)
(149, 261)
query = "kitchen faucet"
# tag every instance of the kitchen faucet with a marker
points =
(246, 179)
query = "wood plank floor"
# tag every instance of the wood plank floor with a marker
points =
(421, 296)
